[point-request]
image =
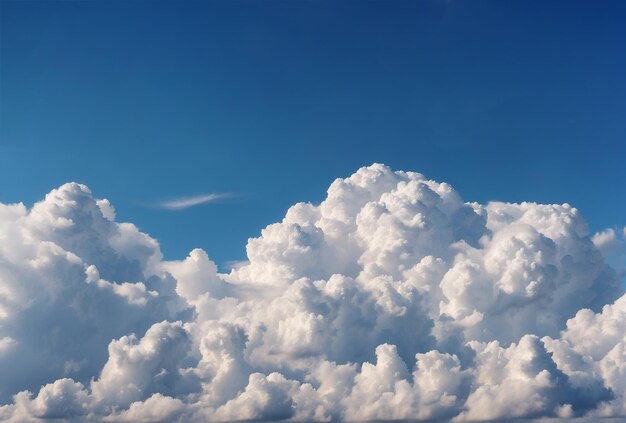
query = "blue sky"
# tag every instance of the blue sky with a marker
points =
(270, 101)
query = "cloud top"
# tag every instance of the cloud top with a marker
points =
(393, 299)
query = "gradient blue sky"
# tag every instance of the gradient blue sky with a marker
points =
(145, 101)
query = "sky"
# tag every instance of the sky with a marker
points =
(268, 102)
(212, 211)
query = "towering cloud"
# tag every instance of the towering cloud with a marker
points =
(392, 299)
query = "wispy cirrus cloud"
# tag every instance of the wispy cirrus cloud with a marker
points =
(182, 203)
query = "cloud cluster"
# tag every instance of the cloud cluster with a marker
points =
(392, 299)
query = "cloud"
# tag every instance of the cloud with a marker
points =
(392, 299)
(186, 202)
(612, 244)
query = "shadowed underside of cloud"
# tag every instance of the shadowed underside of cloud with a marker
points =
(392, 299)
(186, 202)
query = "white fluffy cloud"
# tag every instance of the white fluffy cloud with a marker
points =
(392, 299)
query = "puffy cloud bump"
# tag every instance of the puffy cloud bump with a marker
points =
(392, 299)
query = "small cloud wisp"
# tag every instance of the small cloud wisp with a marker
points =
(187, 202)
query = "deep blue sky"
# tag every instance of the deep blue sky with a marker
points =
(145, 100)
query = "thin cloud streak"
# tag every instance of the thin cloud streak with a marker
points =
(187, 202)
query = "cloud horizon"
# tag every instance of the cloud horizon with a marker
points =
(392, 299)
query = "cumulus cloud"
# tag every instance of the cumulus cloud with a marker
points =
(392, 299)
(612, 244)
